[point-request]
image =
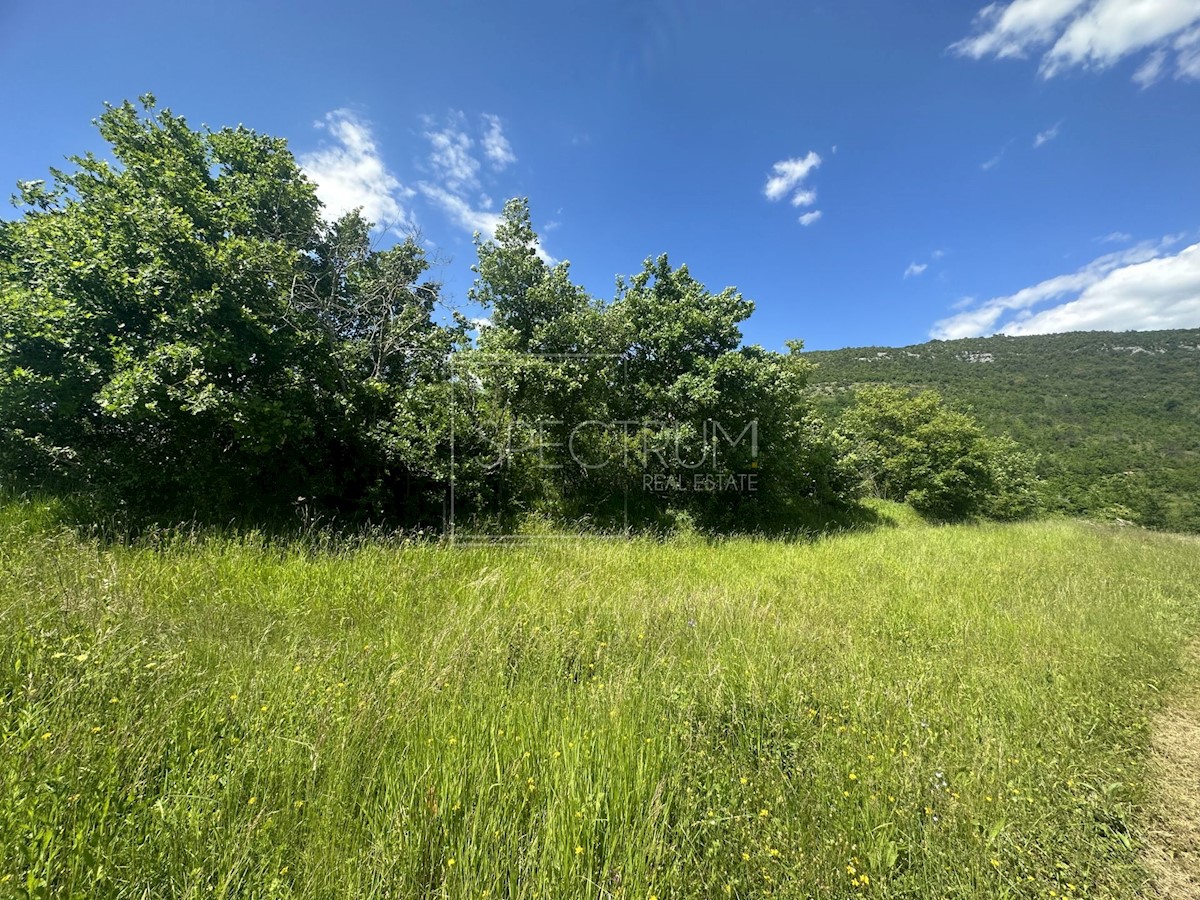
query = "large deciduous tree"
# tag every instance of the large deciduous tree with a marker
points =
(183, 331)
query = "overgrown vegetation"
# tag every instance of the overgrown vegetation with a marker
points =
(917, 712)
(1113, 418)
(911, 712)
(184, 337)
(914, 449)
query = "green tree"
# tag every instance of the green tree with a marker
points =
(912, 448)
(183, 332)
(1094, 406)
(538, 370)
(148, 343)
(655, 383)
(534, 307)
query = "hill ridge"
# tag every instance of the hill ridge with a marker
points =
(1115, 416)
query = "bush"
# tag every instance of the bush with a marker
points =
(912, 448)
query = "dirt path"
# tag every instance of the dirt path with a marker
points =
(1172, 852)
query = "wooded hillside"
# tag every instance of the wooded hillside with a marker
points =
(1115, 416)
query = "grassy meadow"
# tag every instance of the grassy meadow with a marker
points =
(914, 712)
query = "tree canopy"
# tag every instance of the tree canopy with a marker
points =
(183, 330)
(912, 448)
(184, 334)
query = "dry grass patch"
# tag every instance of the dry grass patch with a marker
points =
(1172, 852)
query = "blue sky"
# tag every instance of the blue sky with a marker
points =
(867, 172)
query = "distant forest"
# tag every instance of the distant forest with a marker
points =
(1114, 417)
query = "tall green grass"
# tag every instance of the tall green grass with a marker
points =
(914, 712)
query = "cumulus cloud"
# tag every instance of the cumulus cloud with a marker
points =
(495, 145)
(787, 177)
(351, 174)
(1090, 34)
(804, 198)
(1139, 288)
(788, 174)
(1160, 293)
(1044, 137)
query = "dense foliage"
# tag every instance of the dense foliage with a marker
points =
(182, 332)
(1113, 417)
(914, 449)
(648, 408)
(183, 335)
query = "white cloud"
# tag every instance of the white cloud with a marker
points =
(1152, 69)
(804, 198)
(1160, 293)
(1115, 237)
(495, 145)
(788, 174)
(787, 177)
(455, 167)
(1187, 60)
(995, 160)
(463, 214)
(918, 268)
(352, 174)
(1111, 29)
(969, 323)
(1044, 137)
(1089, 34)
(460, 210)
(1007, 31)
(1141, 287)
(450, 155)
